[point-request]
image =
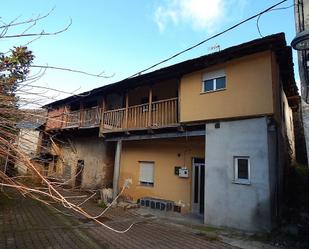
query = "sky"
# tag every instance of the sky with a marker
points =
(122, 37)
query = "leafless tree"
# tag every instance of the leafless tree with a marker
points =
(17, 90)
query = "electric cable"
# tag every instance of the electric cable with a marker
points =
(207, 39)
(189, 48)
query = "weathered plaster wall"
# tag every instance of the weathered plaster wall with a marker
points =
(98, 160)
(227, 203)
(166, 154)
(275, 172)
(248, 91)
(287, 120)
(27, 143)
(54, 118)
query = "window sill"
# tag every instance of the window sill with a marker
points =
(242, 182)
(145, 185)
(213, 91)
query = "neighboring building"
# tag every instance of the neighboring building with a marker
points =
(302, 24)
(29, 135)
(212, 136)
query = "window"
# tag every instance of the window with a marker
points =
(214, 81)
(146, 176)
(242, 170)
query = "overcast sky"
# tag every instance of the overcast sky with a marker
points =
(124, 37)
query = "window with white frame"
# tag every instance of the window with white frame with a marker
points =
(214, 81)
(242, 170)
(146, 176)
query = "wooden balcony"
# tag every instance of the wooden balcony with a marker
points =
(157, 114)
(71, 119)
(163, 113)
(86, 118)
(90, 117)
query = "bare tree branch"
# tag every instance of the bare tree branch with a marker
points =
(42, 33)
(72, 70)
(14, 23)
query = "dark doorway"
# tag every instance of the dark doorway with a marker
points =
(79, 173)
(198, 177)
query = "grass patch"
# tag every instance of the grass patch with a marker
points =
(208, 233)
(211, 237)
(207, 229)
(102, 205)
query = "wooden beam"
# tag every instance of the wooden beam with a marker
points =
(178, 101)
(81, 116)
(127, 110)
(158, 136)
(64, 118)
(150, 107)
(102, 114)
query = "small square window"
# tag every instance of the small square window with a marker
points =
(214, 81)
(242, 170)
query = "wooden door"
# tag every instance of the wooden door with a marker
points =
(79, 173)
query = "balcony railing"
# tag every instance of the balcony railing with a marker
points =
(158, 114)
(91, 117)
(71, 119)
(113, 119)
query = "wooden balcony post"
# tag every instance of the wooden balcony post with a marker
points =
(60, 118)
(150, 107)
(127, 110)
(102, 113)
(64, 117)
(81, 115)
(178, 103)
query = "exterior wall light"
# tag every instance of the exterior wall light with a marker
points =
(301, 41)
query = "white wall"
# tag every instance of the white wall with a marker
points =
(27, 143)
(227, 203)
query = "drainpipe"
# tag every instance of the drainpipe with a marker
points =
(117, 168)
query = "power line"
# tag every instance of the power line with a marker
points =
(192, 47)
(258, 19)
(207, 39)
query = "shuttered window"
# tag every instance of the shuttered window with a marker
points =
(214, 81)
(146, 173)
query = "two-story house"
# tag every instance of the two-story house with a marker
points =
(211, 136)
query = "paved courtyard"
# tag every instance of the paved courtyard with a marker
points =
(25, 223)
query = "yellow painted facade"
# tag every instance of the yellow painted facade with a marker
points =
(249, 84)
(251, 89)
(166, 154)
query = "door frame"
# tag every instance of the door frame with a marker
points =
(79, 173)
(195, 207)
